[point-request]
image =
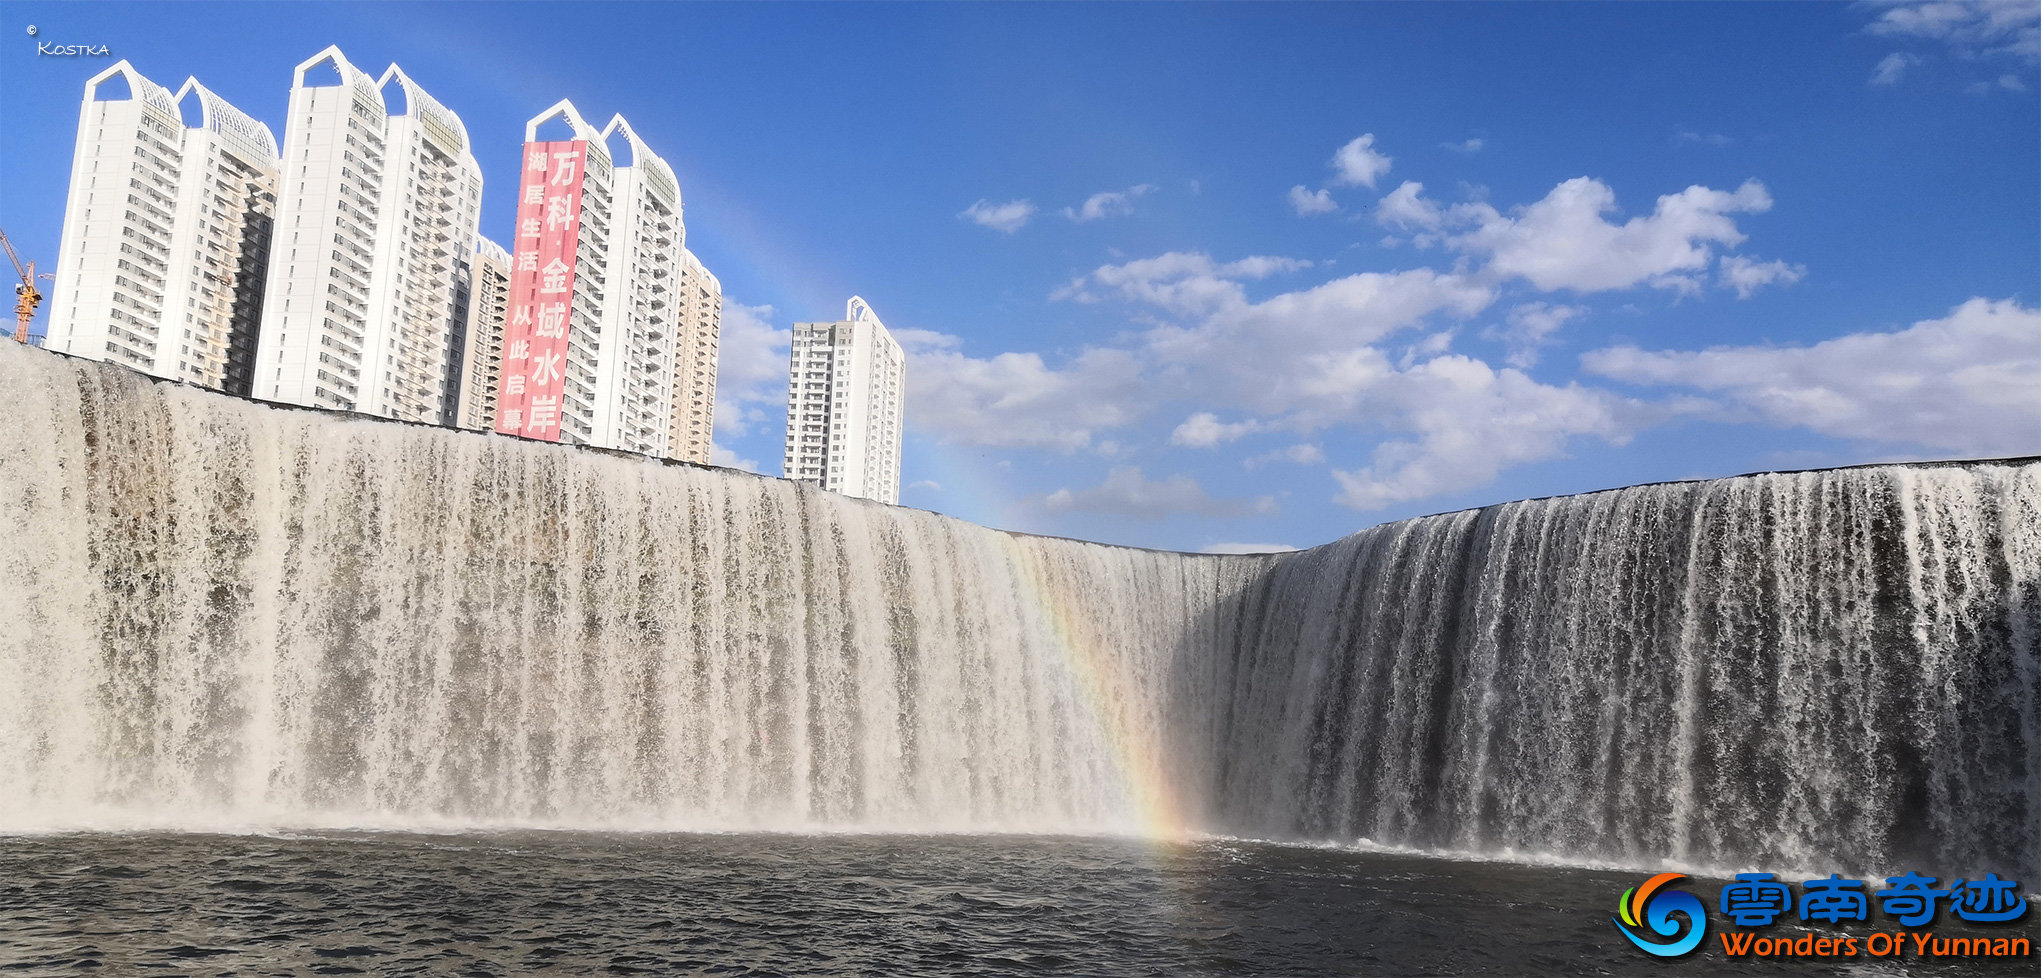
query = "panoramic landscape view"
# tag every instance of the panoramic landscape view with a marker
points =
(1012, 489)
